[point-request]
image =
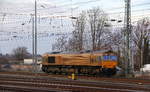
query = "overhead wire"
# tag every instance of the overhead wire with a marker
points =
(66, 5)
(78, 3)
(63, 12)
(136, 5)
(132, 11)
(84, 2)
(75, 4)
(69, 16)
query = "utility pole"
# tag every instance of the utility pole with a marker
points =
(127, 35)
(35, 36)
(33, 45)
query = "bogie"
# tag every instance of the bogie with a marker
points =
(78, 70)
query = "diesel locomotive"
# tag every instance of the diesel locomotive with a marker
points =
(88, 63)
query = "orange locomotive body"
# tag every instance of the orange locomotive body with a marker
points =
(95, 63)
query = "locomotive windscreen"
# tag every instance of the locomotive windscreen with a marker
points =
(51, 59)
(110, 58)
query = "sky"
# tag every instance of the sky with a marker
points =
(53, 19)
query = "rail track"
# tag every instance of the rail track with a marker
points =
(128, 80)
(41, 83)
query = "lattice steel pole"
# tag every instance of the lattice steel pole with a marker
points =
(127, 34)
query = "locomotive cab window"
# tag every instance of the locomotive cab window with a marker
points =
(51, 59)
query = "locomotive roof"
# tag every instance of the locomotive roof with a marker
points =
(86, 51)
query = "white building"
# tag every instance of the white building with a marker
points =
(30, 61)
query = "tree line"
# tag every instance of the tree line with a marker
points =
(18, 54)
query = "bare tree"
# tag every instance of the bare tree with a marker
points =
(60, 44)
(20, 53)
(79, 30)
(146, 51)
(73, 44)
(89, 28)
(141, 37)
(76, 41)
(97, 20)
